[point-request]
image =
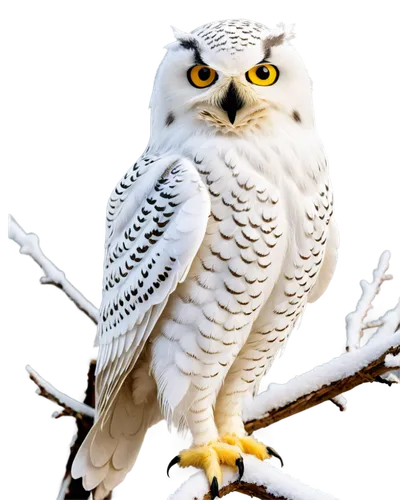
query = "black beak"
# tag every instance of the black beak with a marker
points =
(232, 102)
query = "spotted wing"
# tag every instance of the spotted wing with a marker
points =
(156, 221)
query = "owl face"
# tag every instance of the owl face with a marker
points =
(230, 77)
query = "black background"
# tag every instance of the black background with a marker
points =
(76, 111)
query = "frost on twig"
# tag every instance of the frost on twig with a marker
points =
(365, 317)
(340, 401)
(392, 361)
(357, 320)
(29, 245)
(72, 407)
(64, 488)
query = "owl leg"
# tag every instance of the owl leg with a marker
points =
(208, 452)
(238, 384)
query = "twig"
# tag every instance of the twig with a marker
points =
(249, 489)
(45, 389)
(355, 320)
(340, 401)
(64, 488)
(82, 427)
(372, 324)
(29, 245)
(393, 377)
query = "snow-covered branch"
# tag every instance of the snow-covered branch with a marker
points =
(328, 380)
(29, 245)
(72, 407)
(260, 480)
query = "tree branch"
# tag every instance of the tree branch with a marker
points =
(320, 396)
(261, 480)
(29, 245)
(249, 489)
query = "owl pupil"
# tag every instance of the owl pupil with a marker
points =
(262, 73)
(204, 74)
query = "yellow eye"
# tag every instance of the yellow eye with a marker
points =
(202, 76)
(263, 74)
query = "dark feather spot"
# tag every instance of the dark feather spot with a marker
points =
(296, 116)
(192, 44)
(273, 41)
(170, 119)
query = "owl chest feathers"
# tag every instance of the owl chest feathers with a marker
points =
(270, 205)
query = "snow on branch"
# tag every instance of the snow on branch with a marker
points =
(64, 488)
(71, 406)
(29, 245)
(260, 480)
(392, 361)
(328, 380)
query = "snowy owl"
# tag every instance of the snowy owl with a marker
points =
(216, 239)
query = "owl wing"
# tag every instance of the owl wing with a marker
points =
(156, 221)
(332, 252)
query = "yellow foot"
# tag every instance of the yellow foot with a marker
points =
(210, 457)
(255, 446)
(251, 446)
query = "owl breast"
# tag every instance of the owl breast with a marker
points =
(264, 246)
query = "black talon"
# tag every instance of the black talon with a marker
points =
(214, 488)
(240, 466)
(173, 464)
(275, 454)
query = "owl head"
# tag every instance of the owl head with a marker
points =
(230, 77)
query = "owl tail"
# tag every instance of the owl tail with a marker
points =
(111, 447)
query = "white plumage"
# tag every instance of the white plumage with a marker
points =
(216, 239)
